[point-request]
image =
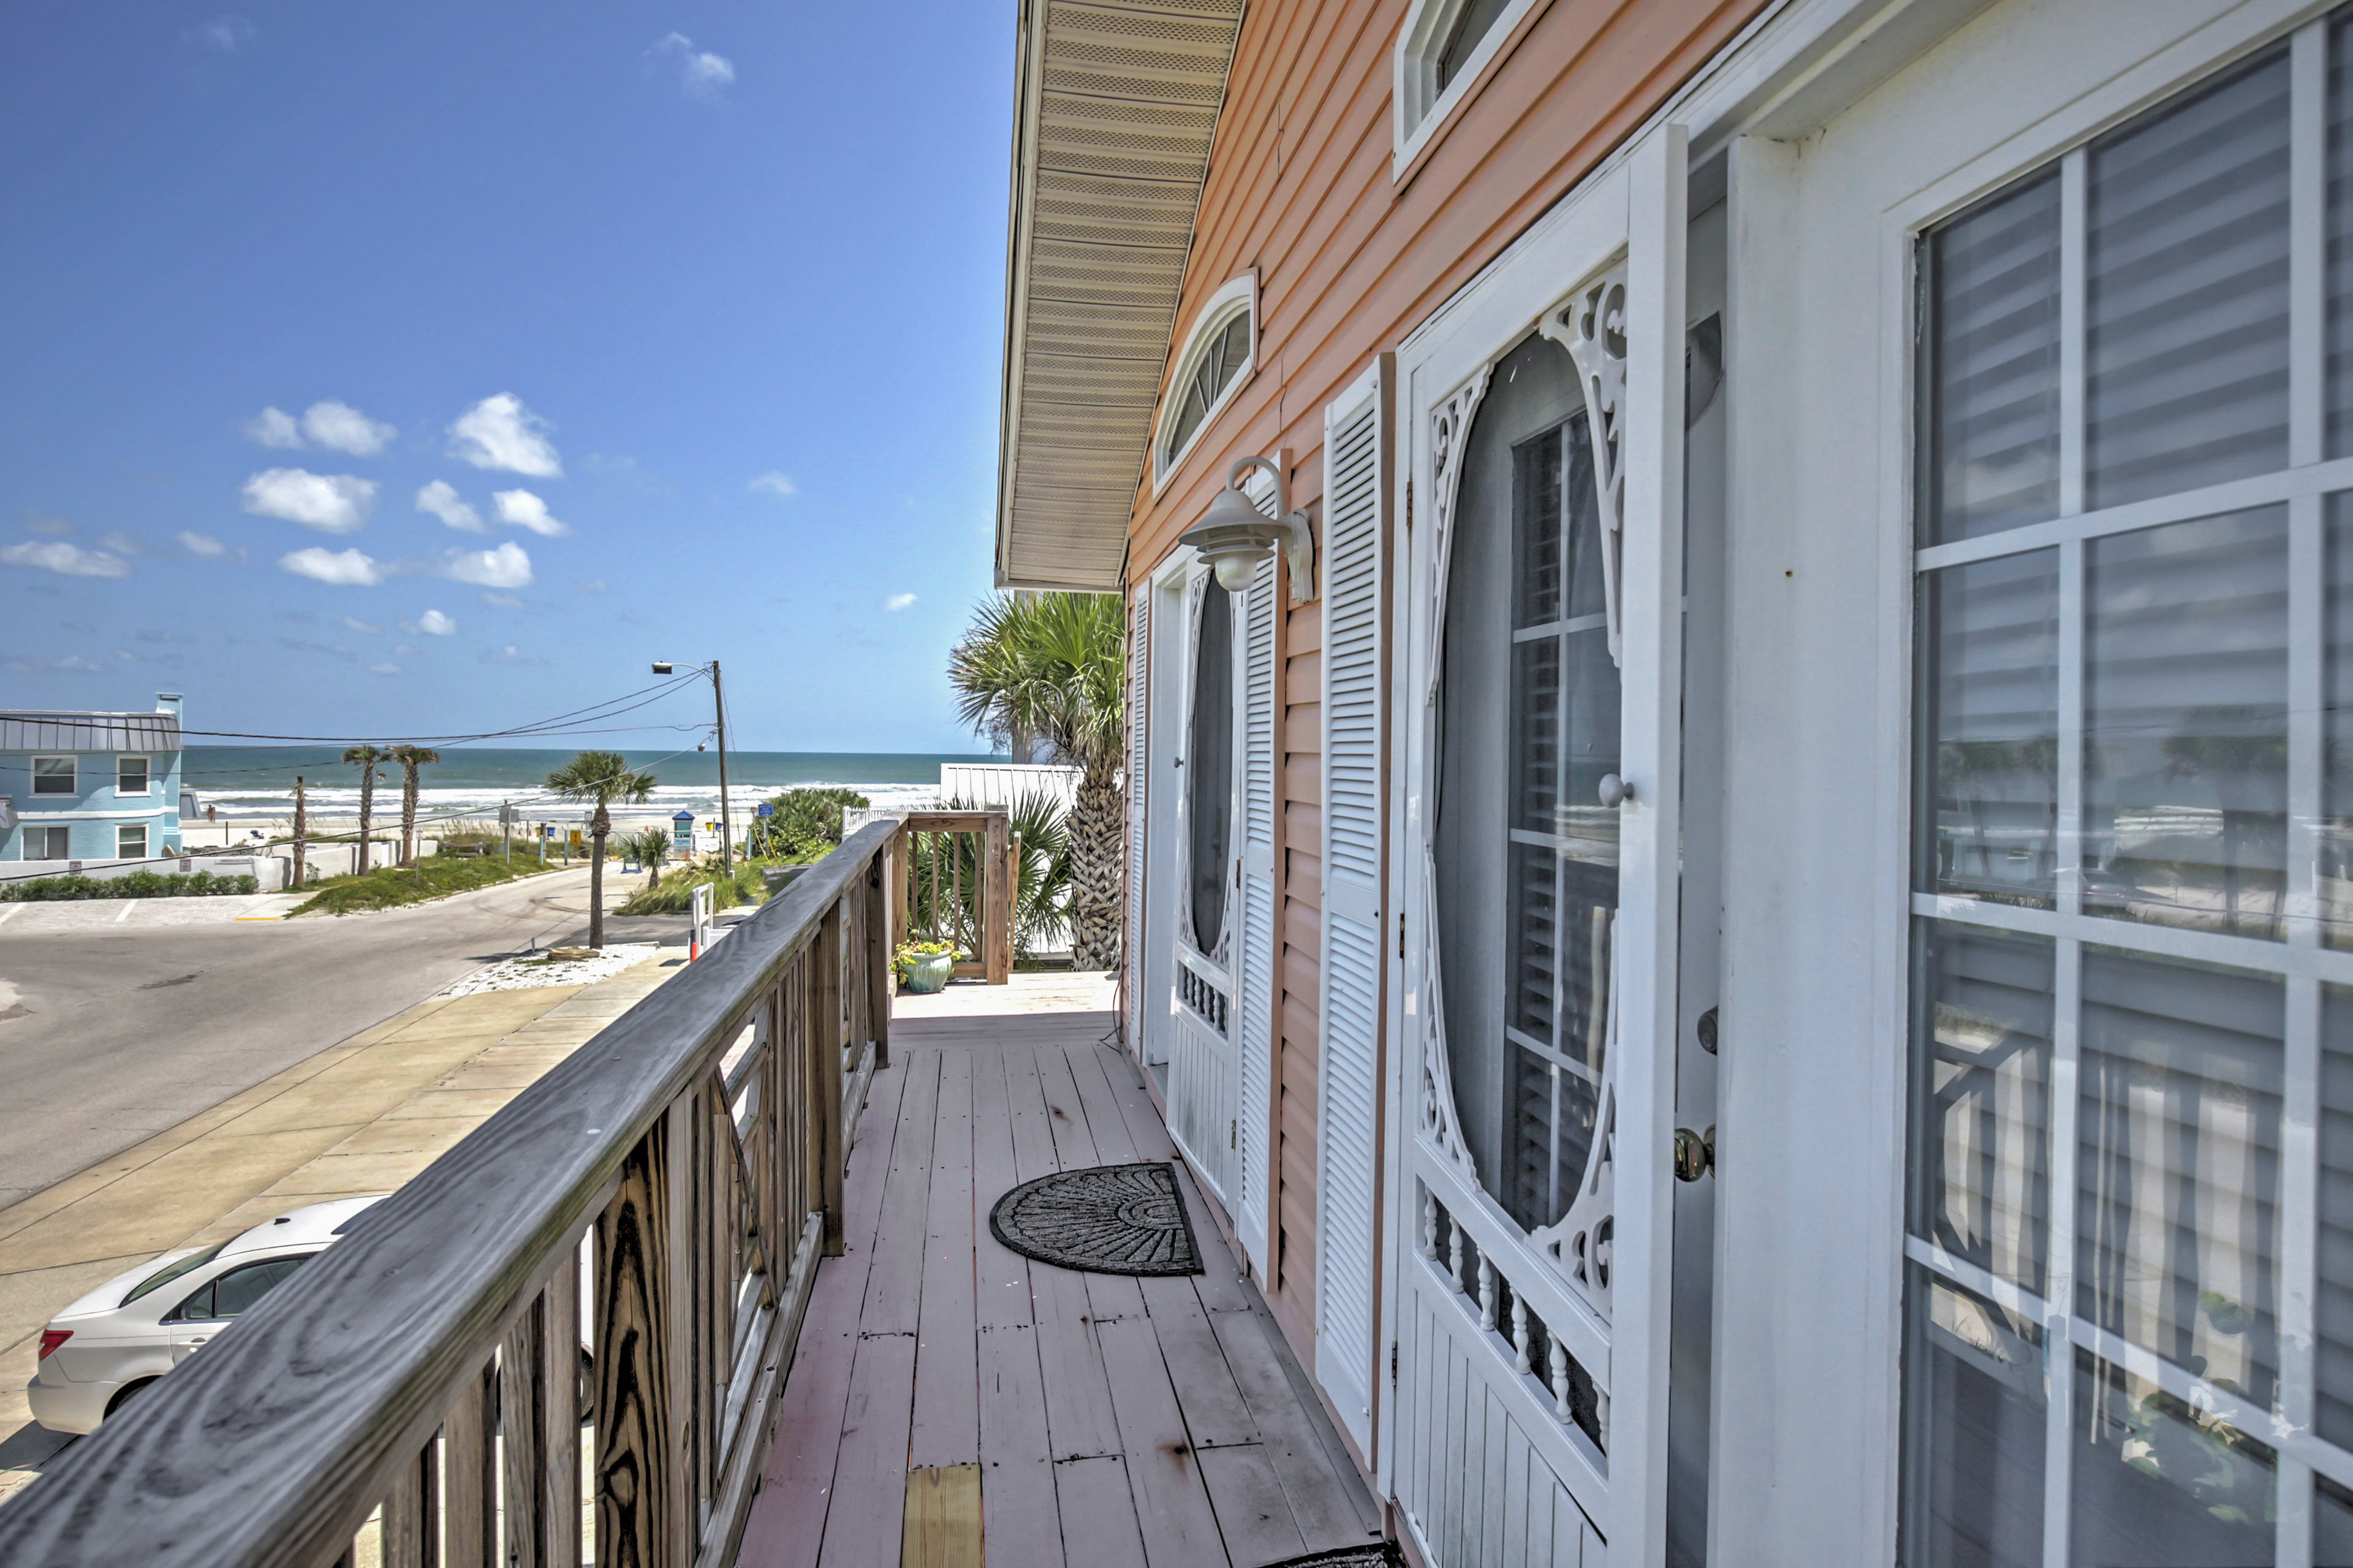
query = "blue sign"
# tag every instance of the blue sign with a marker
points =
(768, 808)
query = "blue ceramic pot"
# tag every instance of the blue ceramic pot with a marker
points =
(930, 974)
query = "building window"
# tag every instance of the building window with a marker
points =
(54, 775)
(1214, 360)
(131, 776)
(2133, 895)
(131, 842)
(1442, 51)
(52, 841)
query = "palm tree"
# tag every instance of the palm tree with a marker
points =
(1050, 665)
(411, 759)
(601, 777)
(365, 758)
(651, 846)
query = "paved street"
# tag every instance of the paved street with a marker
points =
(112, 1033)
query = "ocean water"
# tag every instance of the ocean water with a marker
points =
(257, 783)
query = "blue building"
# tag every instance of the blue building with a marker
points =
(90, 786)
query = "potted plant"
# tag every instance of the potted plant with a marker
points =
(924, 967)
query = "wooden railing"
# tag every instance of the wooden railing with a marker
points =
(417, 1388)
(961, 869)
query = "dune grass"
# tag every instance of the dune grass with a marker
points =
(434, 877)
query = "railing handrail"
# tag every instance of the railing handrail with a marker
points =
(272, 1447)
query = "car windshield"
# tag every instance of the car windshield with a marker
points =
(170, 1271)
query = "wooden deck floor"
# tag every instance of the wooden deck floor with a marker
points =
(954, 1403)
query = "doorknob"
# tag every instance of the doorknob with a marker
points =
(1615, 791)
(1694, 1153)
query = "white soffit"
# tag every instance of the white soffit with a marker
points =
(1115, 108)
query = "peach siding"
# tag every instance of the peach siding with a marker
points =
(1350, 261)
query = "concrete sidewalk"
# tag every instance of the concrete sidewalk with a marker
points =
(360, 1117)
(135, 914)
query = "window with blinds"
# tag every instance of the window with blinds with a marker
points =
(1527, 861)
(2131, 1297)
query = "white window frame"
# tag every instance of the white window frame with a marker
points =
(147, 771)
(145, 846)
(25, 844)
(1238, 296)
(33, 768)
(1418, 106)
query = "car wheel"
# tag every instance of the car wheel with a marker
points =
(122, 1396)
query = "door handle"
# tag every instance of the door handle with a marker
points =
(1694, 1153)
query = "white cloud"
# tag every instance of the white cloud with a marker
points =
(54, 527)
(72, 661)
(226, 34)
(344, 568)
(332, 503)
(433, 624)
(701, 73)
(405, 651)
(273, 428)
(773, 483)
(341, 428)
(524, 510)
(440, 497)
(202, 544)
(122, 544)
(591, 585)
(383, 669)
(509, 655)
(897, 602)
(502, 601)
(500, 433)
(71, 559)
(352, 622)
(505, 567)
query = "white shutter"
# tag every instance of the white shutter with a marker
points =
(1139, 654)
(1348, 1043)
(1255, 965)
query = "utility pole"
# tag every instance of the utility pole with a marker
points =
(302, 827)
(727, 827)
(506, 832)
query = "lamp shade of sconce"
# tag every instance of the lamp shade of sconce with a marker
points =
(1234, 536)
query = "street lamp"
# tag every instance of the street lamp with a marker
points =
(1234, 535)
(719, 703)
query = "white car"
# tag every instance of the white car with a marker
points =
(131, 1331)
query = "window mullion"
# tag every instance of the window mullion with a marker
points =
(2308, 263)
(2059, 1284)
(2299, 1244)
(2072, 342)
(2307, 716)
(2068, 873)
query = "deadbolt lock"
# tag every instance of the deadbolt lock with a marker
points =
(1694, 1153)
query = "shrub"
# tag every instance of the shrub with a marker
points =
(137, 885)
(807, 823)
(745, 885)
(910, 954)
(432, 877)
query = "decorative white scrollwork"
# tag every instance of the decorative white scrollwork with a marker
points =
(1449, 440)
(1582, 1242)
(1437, 1119)
(1591, 325)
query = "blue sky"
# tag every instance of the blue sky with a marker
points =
(328, 325)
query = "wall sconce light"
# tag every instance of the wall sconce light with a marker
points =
(1233, 536)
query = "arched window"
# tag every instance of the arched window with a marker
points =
(1441, 52)
(1215, 359)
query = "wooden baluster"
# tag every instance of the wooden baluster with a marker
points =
(878, 955)
(1520, 1332)
(1429, 1224)
(900, 848)
(467, 1480)
(1486, 1293)
(824, 1117)
(559, 1429)
(996, 911)
(688, 1387)
(636, 1458)
(1560, 1409)
(519, 1466)
(1459, 1263)
(722, 1249)
(412, 1523)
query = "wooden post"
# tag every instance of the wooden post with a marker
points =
(635, 1468)
(412, 1514)
(878, 955)
(825, 1076)
(301, 830)
(518, 1408)
(467, 1480)
(995, 933)
(902, 922)
(559, 1433)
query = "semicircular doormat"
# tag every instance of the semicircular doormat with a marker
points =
(1380, 1555)
(1105, 1219)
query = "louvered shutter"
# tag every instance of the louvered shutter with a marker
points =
(1349, 1146)
(1255, 963)
(1139, 652)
